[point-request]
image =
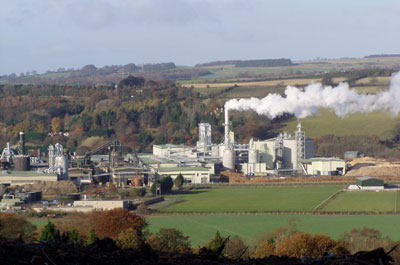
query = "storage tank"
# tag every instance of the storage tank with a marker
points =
(62, 162)
(253, 156)
(22, 163)
(228, 160)
(137, 182)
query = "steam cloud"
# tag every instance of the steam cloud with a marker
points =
(341, 99)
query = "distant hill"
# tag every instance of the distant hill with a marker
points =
(250, 63)
(382, 55)
(107, 75)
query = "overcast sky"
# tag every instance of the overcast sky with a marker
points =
(48, 34)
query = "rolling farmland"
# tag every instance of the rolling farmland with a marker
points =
(253, 211)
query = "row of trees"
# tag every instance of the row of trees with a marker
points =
(128, 231)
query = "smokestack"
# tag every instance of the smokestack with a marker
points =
(227, 138)
(22, 143)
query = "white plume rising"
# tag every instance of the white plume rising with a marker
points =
(303, 103)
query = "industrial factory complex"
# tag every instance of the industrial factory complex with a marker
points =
(284, 155)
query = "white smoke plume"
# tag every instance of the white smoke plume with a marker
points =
(303, 103)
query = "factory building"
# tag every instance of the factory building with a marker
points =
(193, 175)
(324, 166)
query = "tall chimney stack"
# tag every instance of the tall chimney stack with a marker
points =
(227, 137)
(21, 143)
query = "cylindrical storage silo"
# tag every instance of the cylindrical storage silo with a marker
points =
(253, 156)
(62, 162)
(228, 160)
(21, 163)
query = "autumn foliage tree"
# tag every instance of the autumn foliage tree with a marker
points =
(112, 223)
(56, 124)
(365, 239)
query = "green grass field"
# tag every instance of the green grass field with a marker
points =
(39, 222)
(363, 201)
(376, 123)
(281, 198)
(201, 228)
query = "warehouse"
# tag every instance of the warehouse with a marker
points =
(369, 183)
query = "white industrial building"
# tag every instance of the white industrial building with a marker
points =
(324, 166)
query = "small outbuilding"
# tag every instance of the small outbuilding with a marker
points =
(352, 154)
(369, 183)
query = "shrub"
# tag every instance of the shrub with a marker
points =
(305, 244)
(74, 237)
(16, 226)
(169, 240)
(217, 242)
(235, 248)
(264, 247)
(137, 192)
(92, 237)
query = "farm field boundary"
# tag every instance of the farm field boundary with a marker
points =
(333, 196)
